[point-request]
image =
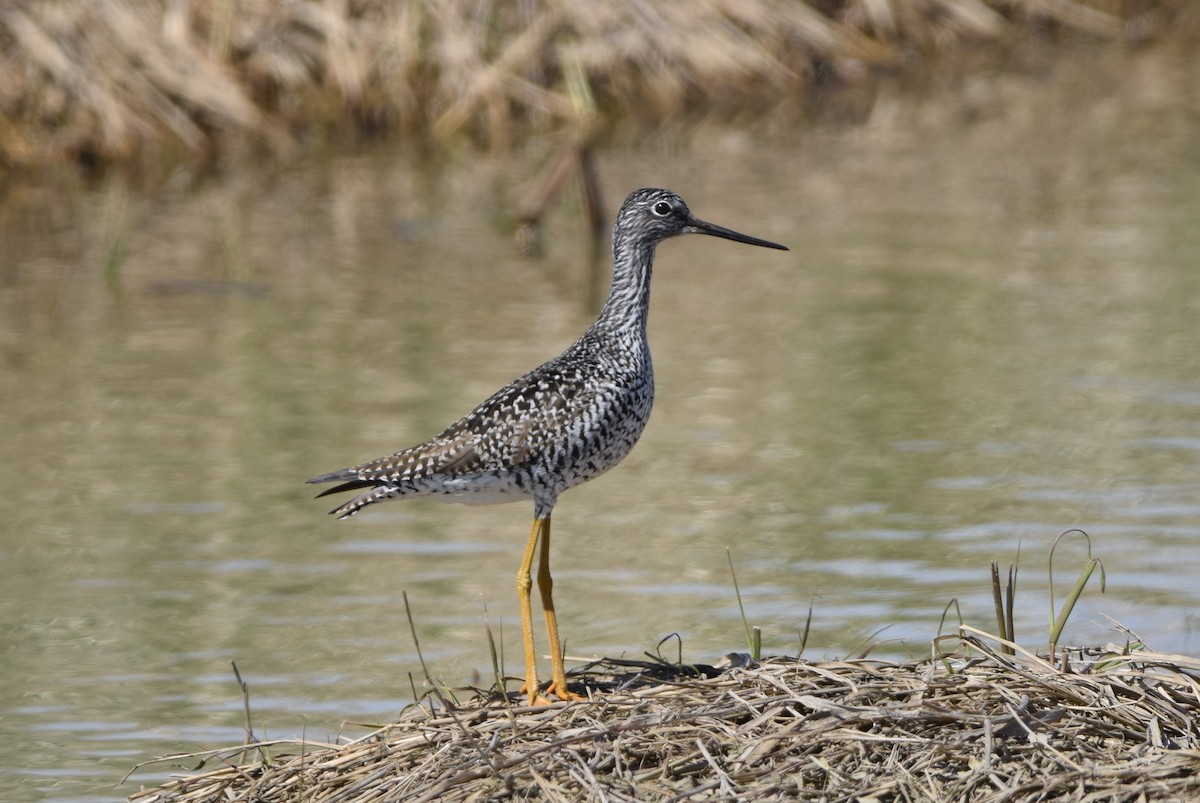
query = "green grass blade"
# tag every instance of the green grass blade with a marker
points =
(742, 610)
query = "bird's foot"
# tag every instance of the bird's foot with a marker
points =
(538, 699)
(533, 694)
(559, 689)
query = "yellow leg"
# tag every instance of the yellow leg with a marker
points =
(532, 686)
(558, 673)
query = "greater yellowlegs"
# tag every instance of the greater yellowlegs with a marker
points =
(561, 424)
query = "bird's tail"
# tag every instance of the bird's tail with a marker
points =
(376, 492)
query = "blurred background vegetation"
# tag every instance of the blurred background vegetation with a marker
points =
(97, 82)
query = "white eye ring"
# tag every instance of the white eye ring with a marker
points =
(662, 209)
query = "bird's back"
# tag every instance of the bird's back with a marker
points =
(564, 422)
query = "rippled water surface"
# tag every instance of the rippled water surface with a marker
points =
(987, 332)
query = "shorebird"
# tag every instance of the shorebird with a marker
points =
(561, 424)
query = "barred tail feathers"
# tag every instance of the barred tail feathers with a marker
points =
(375, 491)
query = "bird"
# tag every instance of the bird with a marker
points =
(565, 422)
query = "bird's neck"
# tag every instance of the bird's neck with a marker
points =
(629, 297)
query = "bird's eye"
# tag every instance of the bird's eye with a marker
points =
(662, 209)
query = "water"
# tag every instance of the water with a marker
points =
(986, 333)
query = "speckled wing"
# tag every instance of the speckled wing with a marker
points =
(487, 456)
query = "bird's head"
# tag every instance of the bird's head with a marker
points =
(654, 215)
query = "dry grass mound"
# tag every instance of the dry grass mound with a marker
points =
(987, 724)
(108, 80)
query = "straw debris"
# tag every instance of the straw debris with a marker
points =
(981, 725)
(109, 80)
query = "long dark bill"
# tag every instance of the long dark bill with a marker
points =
(698, 226)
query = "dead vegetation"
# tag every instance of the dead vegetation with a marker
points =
(99, 81)
(988, 723)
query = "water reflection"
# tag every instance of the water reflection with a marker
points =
(985, 334)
